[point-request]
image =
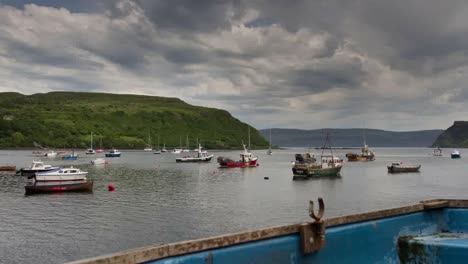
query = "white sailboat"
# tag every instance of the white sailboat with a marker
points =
(157, 151)
(91, 151)
(148, 147)
(269, 151)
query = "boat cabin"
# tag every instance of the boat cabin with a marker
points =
(39, 165)
(330, 161)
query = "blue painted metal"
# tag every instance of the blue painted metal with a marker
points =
(363, 242)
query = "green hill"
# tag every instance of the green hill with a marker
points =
(66, 119)
(454, 136)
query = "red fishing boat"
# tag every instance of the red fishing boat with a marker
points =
(247, 160)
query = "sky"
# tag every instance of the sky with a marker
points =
(395, 65)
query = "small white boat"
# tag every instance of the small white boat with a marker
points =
(437, 152)
(157, 152)
(164, 148)
(185, 150)
(99, 161)
(90, 152)
(65, 174)
(202, 156)
(37, 166)
(51, 154)
(176, 151)
(148, 149)
(455, 154)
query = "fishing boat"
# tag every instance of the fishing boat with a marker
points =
(366, 153)
(455, 154)
(71, 156)
(113, 153)
(57, 187)
(202, 156)
(64, 174)
(306, 166)
(247, 160)
(37, 166)
(437, 152)
(431, 231)
(99, 161)
(269, 151)
(398, 167)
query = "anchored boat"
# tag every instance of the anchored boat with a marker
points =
(65, 174)
(398, 167)
(71, 156)
(307, 166)
(433, 231)
(37, 166)
(247, 160)
(202, 156)
(113, 153)
(54, 187)
(437, 152)
(455, 154)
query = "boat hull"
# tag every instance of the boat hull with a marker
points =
(35, 188)
(239, 164)
(302, 172)
(427, 232)
(109, 155)
(69, 158)
(195, 159)
(396, 169)
(455, 156)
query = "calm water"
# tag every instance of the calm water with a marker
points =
(157, 200)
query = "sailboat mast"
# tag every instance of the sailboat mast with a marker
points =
(249, 138)
(91, 140)
(270, 138)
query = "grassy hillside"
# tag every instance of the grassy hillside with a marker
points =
(65, 119)
(454, 136)
(352, 137)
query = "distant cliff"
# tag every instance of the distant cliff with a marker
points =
(66, 119)
(352, 137)
(454, 136)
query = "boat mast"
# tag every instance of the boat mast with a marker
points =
(270, 140)
(249, 138)
(186, 142)
(91, 140)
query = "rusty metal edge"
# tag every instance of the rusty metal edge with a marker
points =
(161, 251)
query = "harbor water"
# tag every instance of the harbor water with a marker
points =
(157, 200)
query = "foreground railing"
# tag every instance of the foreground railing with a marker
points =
(312, 234)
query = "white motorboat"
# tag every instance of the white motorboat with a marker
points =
(397, 167)
(202, 156)
(176, 151)
(113, 153)
(37, 166)
(51, 154)
(99, 161)
(65, 174)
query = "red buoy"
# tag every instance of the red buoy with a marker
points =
(111, 187)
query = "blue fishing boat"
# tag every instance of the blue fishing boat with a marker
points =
(434, 231)
(72, 156)
(113, 153)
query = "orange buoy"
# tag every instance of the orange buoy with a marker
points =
(111, 187)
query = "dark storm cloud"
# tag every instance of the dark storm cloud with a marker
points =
(188, 15)
(254, 58)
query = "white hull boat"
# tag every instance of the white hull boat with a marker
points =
(99, 161)
(65, 174)
(36, 167)
(202, 156)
